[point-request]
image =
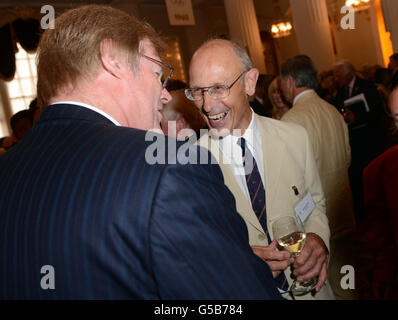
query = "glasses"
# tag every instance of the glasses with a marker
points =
(217, 92)
(160, 75)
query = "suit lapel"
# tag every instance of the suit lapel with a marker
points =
(355, 88)
(273, 149)
(242, 204)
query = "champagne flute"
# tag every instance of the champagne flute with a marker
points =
(290, 235)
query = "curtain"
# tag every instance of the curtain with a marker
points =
(21, 26)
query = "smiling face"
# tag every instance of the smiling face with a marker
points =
(217, 64)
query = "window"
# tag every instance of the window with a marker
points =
(22, 89)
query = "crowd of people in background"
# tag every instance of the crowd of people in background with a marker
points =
(20, 123)
(269, 101)
(373, 138)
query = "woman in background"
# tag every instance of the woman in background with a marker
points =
(279, 104)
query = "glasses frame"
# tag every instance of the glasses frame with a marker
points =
(171, 69)
(206, 89)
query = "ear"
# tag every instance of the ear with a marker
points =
(292, 84)
(110, 59)
(181, 123)
(251, 77)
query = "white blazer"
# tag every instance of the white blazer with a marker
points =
(288, 162)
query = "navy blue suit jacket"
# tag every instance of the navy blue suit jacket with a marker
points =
(78, 194)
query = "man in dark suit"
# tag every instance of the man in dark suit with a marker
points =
(84, 213)
(351, 85)
(261, 104)
(366, 134)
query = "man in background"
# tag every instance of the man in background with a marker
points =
(328, 133)
(365, 127)
(260, 103)
(20, 123)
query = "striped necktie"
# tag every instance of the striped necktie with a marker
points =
(257, 195)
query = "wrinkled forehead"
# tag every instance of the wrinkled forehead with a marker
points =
(213, 64)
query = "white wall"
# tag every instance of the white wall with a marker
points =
(358, 45)
(362, 45)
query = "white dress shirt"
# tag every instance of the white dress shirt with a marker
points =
(84, 105)
(232, 153)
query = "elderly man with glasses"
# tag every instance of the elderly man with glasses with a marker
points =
(282, 178)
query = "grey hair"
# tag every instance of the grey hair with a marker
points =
(348, 68)
(302, 70)
(242, 54)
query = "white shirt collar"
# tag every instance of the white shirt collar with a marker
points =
(301, 94)
(250, 132)
(352, 82)
(84, 105)
(232, 153)
(230, 148)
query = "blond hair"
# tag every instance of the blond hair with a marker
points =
(71, 51)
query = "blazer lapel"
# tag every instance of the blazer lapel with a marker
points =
(273, 149)
(355, 88)
(242, 204)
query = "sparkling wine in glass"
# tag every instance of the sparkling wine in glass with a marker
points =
(290, 235)
(293, 242)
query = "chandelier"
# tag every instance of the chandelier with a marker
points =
(282, 28)
(358, 5)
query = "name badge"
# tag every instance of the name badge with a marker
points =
(305, 207)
